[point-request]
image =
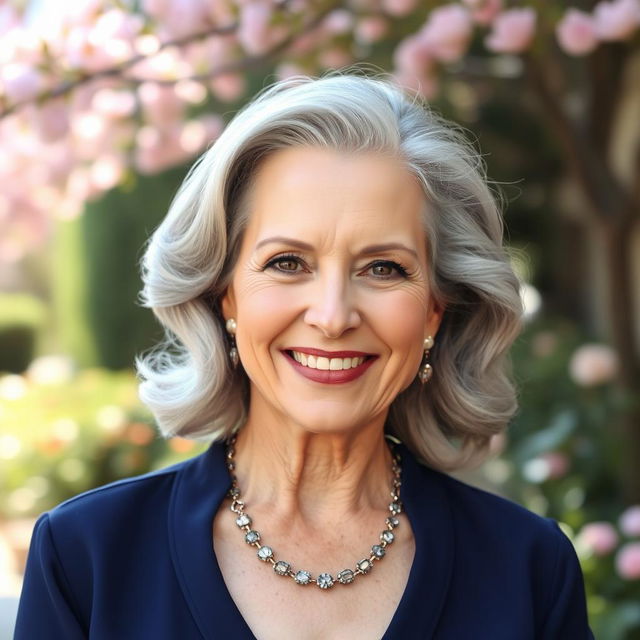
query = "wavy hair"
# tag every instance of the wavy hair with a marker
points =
(187, 381)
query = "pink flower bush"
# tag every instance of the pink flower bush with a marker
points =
(512, 31)
(413, 57)
(630, 521)
(576, 33)
(399, 7)
(447, 33)
(593, 364)
(557, 463)
(616, 20)
(598, 537)
(371, 29)
(483, 11)
(628, 561)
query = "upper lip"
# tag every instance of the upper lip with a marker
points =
(329, 354)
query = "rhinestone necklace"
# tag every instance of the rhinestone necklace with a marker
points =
(302, 577)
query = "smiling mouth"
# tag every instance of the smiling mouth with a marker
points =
(324, 363)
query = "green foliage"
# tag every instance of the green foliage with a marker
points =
(21, 317)
(114, 231)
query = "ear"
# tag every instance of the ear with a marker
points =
(434, 319)
(228, 303)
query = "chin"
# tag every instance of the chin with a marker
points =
(334, 423)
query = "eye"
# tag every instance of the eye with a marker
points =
(285, 264)
(387, 269)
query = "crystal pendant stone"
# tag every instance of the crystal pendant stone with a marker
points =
(364, 565)
(393, 522)
(252, 537)
(302, 577)
(264, 553)
(425, 373)
(281, 567)
(243, 520)
(378, 551)
(324, 581)
(346, 576)
(387, 537)
(395, 507)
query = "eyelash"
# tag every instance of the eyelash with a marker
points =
(298, 260)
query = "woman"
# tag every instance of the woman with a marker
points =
(338, 306)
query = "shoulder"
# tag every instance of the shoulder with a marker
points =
(123, 502)
(497, 524)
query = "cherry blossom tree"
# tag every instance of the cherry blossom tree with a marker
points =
(111, 87)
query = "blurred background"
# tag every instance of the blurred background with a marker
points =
(105, 104)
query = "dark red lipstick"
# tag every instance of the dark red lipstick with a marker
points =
(330, 376)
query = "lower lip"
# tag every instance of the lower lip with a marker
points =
(327, 376)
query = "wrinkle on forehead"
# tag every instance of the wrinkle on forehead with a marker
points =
(327, 197)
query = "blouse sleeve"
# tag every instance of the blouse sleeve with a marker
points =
(567, 611)
(47, 610)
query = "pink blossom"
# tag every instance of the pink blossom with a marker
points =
(81, 53)
(557, 464)
(447, 32)
(599, 537)
(191, 91)
(114, 103)
(51, 120)
(399, 7)
(180, 18)
(512, 31)
(158, 150)
(21, 82)
(616, 20)
(483, 11)
(593, 364)
(413, 57)
(630, 521)
(370, 29)
(255, 33)
(338, 21)
(228, 87)
(160, 103)
(107, 171)
(628, 561)
(576, 32)
(9, 18)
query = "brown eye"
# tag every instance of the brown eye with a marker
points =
(382, 270)
(287, 265)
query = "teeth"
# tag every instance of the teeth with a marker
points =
(327, 364)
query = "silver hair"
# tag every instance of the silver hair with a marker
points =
(188, 382)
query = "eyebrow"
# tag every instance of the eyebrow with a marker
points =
(371, 249)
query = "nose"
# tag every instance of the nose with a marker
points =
(331, 306)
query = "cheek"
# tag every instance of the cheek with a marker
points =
(400, 320)
(263, 313)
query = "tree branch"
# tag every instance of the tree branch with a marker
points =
(120, 69)
(607, 196)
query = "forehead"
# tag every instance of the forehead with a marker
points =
(325, 196)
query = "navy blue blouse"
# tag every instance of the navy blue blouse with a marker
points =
(134, 560)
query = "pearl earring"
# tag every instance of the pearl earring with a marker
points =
(426, 371)
(232, 326)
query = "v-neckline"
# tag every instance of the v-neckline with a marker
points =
(200, 488)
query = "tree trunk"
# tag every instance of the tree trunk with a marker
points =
(617, 239)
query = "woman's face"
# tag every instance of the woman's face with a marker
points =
(330, 291)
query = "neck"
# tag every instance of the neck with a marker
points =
(317, 477)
